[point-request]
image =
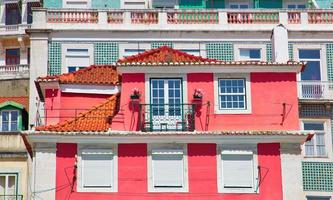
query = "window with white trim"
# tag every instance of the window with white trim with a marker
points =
(9, 120)
(132, 52)
(239, 6)
(316, 147)
(318, 198)
(97, 170)
(76, 56)
(232, 94)
(238, 171)
(8, 185)
(168, 169)
(296, 6)
(77, 3)
(250, 54)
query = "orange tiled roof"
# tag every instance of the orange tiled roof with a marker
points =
(96, 119)
(163, 54)
(95, 74)
(20, 100)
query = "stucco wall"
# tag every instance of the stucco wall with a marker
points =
(17, 87)
(268, 110)
(11, 142)
(64, 106)
(202, 170)
(20, 166)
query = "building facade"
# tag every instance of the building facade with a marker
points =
(67, 36)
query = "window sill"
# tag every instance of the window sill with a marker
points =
(156, 190)
(231, 112)
(311, 157)
(239, 191)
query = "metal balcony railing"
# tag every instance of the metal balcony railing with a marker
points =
(315, 90)
(11, 197)
(167, 117)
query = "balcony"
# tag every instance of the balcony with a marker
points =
(167, 117)
(14, 71)
(17, 29)
(175, 19)
(11, 197)
(315, 90)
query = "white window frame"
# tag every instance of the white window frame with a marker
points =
(328, 140)
(237, 149)
(322, 48)
(248, 103)
(148, 77)
(134, 4)
(286, 3)
(66, 5)
(95, 149)
(10, 120)
(238, 47)
(239, 2)
(150, 149)
(64, 48)
(6, 175)
(133, 46)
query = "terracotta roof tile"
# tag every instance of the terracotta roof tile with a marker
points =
(95, 74)
(97, 119)
(23, 100)
(163, 54)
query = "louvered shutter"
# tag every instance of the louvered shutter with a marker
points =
(168, 167)
(97, 169)
(237, 170)
(164, 3)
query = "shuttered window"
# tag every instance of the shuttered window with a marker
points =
(238, 171)
(97, 168)
(168, 168)
(164, 3)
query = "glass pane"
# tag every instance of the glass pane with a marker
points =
(302, 6)
(71, 69)
(309, 150)
(244, 6)
(292, 6)
(320, 139)
(313, 126)
(234, 6)
(11, 185)
(312, 71)
(14, 116)
(13, 126)
(321, 151)
(309, 54)
(2, 185)
(255, 53)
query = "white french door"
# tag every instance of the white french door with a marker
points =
(166, 103)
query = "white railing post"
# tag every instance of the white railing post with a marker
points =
(304, 18)
(162, 18)
(40, 18)
(127, 17)
(102, 18)
(223, 17)
(283, 17)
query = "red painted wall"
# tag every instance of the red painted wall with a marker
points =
(63, 106)
(267, 103)
(127, 118)
(202, 172)
(268, 110)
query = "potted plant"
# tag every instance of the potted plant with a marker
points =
(135, 94)
(197, 95)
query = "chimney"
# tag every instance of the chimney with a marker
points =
(279, 40)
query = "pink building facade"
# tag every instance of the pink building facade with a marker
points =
(169, 125)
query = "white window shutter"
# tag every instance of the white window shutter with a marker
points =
(97, 170)
(168, 169)
(237, 171)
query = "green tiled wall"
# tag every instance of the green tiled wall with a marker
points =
(269, 52)
(291, 51)
(220, 51)
(329, 59)
(155, 45)
(267, 3)
(54, 58)
(317, 176)
(192, 4)
(106, 52)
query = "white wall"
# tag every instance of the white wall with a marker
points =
(44, 172)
